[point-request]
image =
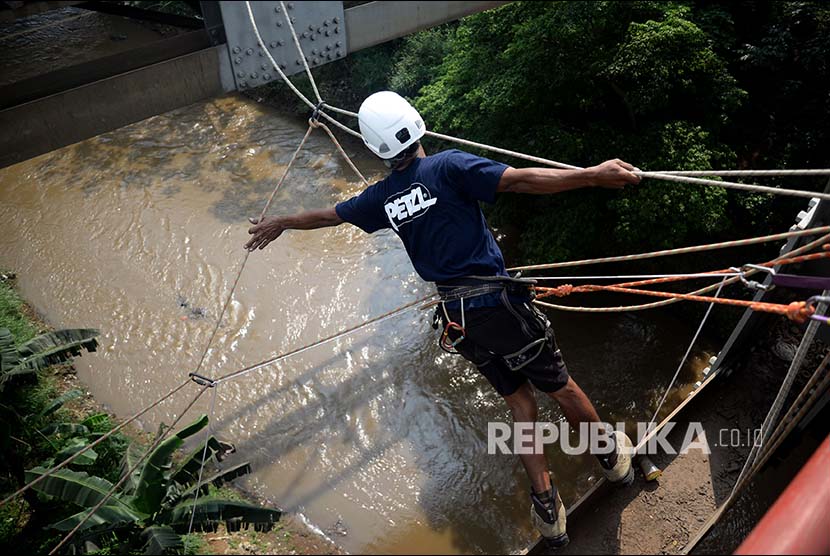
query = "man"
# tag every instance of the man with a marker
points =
(432, 204)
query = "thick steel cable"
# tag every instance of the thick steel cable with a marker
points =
(754, 188)
(656, 304)
(128, 473)
(335, 336)
(677, 251)
(229, 297)
(749, 467)
(77, 454)
(204, 458)
(686, 355)
(643, 276)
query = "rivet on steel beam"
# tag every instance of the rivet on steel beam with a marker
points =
(280, 43)
(238, 60)
(236, 50)
(338, 44)
(249, 51)
(328, 33)
(264, 67)
(267, 77)
(319, 29)
(293, 20)
(240, 74)
(337, 30)
(299, 62)
(305, 34)
(261, 53)
(277, 9)
(313, 38)
(282, 66)
(311, 27)
(339, 54)
(328, 47)
(336, 20)
(243, 84)
(328, 56)
(326, 23)
(316, 61)
(273, 44)
(313, 51)
(279, 23)
(291, 5)
(253, 75)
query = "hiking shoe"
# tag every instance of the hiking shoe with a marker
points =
(548, 515)
(617, 467)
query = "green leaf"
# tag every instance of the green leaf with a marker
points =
(161, 540)
(65, 429)
(130, 461)
(216, 480)
(74, 446)
(188, 471)
(73, 486)
(56, 347)
(58, 402)
(155, 475)
(97, 421)
(109, 515)
(211, 512)
(8, 352)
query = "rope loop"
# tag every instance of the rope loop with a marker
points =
(315, 114)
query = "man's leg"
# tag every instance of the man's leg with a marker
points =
(578, 409)
(575, 405)
(522, 404)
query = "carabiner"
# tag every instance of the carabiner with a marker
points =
(446, 343)
(752, 284)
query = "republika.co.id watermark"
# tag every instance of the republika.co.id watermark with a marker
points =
(595, 438)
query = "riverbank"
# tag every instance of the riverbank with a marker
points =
(19, 526)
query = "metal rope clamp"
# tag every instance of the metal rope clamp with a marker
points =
(202, 380)
(315, 114)
(752, 284)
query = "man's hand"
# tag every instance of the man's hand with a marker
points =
(613, 174)
(264, 232)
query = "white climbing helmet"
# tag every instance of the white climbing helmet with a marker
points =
(389, 124)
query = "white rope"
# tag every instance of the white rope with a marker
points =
(734, 185)
(748, 173)
(677, 251)
(299, 51)
(686, 355)
(204, 458)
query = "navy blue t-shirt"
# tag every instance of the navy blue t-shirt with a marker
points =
(433, 207)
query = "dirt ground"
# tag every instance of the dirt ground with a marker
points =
(661, 517)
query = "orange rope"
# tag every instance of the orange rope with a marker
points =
(797, 311)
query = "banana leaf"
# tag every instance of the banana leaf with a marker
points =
(188, 471)
(74, 446)
(56, 347)
(160, 539)
(75, 487)
(216, 480)
(58, 402)
(107, 515)
(211, 512)
(97, 421)
(130, 461)
(8, 352)
(65, 429)
(157, 470)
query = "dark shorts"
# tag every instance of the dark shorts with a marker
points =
(511, 344)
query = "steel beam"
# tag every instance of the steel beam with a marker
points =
(377, 22)
(65, 118)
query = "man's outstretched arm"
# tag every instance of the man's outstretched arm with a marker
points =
(614, 174)
(272, 227)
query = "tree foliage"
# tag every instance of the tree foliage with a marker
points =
(665, 85)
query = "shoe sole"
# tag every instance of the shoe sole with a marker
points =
(557, 543)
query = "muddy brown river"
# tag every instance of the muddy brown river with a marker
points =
(378, 440)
